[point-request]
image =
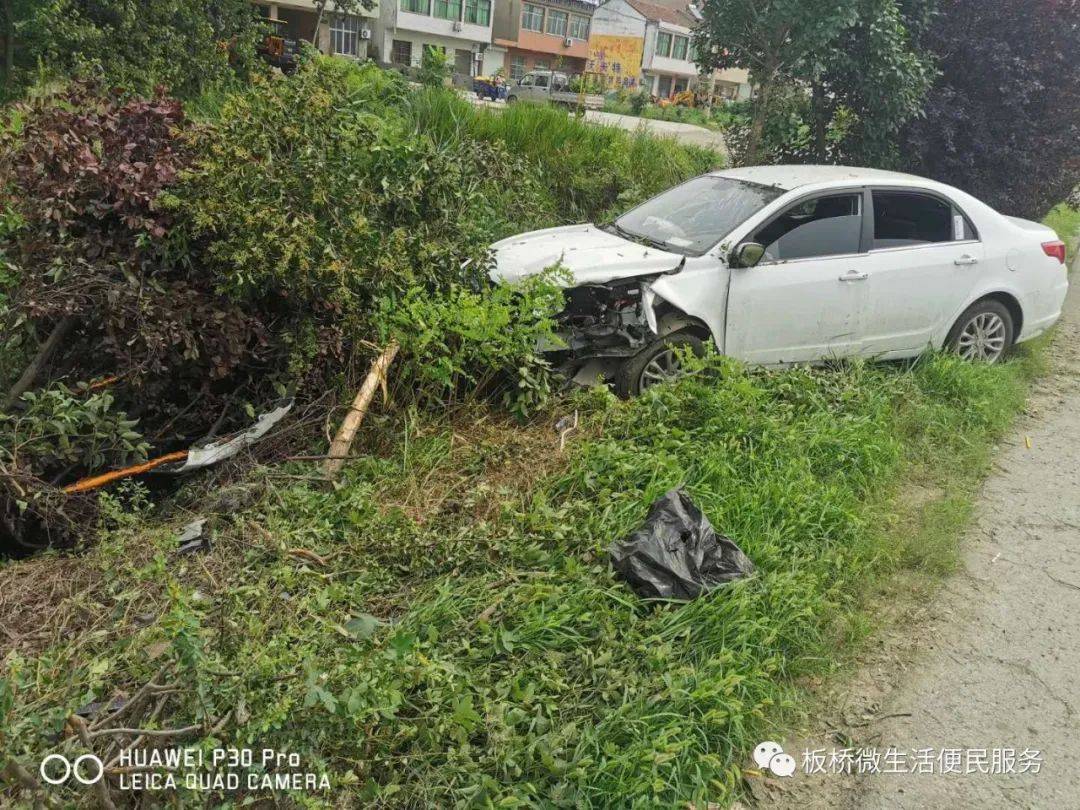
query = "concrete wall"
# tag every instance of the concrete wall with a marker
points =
(494, 59)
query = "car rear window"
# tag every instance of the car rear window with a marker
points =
(902, 219)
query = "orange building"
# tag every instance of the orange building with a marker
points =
(546, 35)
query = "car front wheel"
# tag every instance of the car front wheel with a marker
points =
(983, 333)
(658, 362)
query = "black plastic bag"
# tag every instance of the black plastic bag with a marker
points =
(677, 554)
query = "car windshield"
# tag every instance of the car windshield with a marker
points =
(693, 217)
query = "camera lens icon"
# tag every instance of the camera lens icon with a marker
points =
(56, 769)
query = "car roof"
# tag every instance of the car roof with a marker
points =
(791, 177)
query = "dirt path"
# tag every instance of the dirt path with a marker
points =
(994, 661)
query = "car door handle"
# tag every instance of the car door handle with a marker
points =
(965, 260)
(855, 277)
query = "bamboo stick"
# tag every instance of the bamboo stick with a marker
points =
(343, 441)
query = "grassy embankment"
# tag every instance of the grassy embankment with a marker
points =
(442, 627)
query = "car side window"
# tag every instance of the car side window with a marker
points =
(526, 80)
(821, 226)
(541, 81)
(904, 219)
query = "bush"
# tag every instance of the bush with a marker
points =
(88, 265)
(639, 100)
(186, 45)
(1001, 120)
(305, 217)
(465, 339)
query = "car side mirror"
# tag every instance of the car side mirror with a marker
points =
(747, 254)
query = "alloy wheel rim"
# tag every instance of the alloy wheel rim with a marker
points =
(665, 366)
(983, 338)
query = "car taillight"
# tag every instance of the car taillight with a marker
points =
(1055, 250)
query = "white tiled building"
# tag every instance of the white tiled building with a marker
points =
(459, 28)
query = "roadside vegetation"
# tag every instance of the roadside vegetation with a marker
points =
(440, 625)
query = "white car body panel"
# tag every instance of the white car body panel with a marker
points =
(591, 255)
(888, 302)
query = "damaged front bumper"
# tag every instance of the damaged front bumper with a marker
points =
(601, 326)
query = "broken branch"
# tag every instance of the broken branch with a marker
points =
(52, 342)
(343, 441)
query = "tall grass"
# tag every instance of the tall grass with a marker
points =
(591, 170)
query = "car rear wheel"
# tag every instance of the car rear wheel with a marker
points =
(983, 333)
(656, 363)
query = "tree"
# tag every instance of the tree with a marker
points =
(1003, 120)
(773, 39)
(876, 74)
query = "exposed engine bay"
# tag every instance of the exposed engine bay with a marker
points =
(601, 325)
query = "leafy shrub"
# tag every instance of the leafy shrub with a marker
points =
(58, 426)
(87, 170)
(1001, 120)
(465, 339)
(639, 100)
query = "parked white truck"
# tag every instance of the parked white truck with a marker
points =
(553, 87)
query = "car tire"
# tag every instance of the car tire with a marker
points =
(656, 363)
(983, 333)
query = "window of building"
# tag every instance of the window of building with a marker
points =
(447, 9)
(416, 6)
(541, 64)
(821, 226)
(517, 67)
(345, 35)
(556, 23)
(678, 48)
(478, 12)
(663, 44)
(401, 52)
(532, 17)
(902, 219)
(663, 86)
(579, 27)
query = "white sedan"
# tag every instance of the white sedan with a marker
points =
(793, 264)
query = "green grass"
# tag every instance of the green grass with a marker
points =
(466, 641)
(1066, 221)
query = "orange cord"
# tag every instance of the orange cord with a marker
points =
(87, 484)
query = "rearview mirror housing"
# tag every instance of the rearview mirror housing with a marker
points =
(747, 254)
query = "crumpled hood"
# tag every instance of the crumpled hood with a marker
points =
(593, 256)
